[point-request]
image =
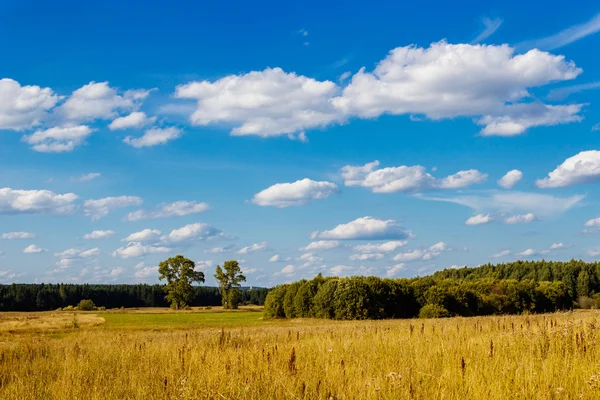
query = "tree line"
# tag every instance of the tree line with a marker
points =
(44, 297)
(511, 288)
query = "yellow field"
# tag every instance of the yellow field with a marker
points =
(229, 355)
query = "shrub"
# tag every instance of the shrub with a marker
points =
(433, 311)
(86, 305)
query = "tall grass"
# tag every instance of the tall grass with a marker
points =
(552, 356)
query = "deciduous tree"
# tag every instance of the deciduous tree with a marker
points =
(229, 278)
(180, 273)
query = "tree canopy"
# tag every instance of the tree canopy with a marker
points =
(229, 278)
(180, 274)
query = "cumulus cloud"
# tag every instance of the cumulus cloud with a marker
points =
(527, 253)
(514, 202)
(144, 271)
(452, 80)
(405, 178)
(18, 235)
(154, 137)
(366, 257)
(422, 254)
(340, 269)
(32, 248)
(365, 228)
(71, 256)
(479, 219)
(217, 250)
(60, 139)
(384, 247)
(96, 209)
(14, 201)
(321, 245)
(136, 249)
(593, 222)
(136, 119)
(583, 167)
(295, 193)
(146, 235)
(192, 232)
(264, 103)
(510, 179)
(394, 269)
(310, 258)
(559, 246)
(257, 247)
(520, 219)
(97, 100)
(23, 107)
(176, 209)
(287, 270)
(99, 235)
(275, 258)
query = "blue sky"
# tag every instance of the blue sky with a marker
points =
(298, 138)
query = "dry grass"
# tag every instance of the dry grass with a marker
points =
(554, 356)
(41, 322)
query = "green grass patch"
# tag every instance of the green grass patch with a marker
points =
(179, 320)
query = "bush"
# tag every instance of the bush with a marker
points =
(86, 305)
(433, 311)
(586, 302)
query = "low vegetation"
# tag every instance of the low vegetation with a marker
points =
(137, 355)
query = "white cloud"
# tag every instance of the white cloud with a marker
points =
(136, 119)
(526, 253)
(583, 167)
(366, 256)
(512, 202)
(596, 128)
(520, 219)
(559, 246)
(510, 179)
(23, 107)
(264, 103)
(97, 100)
(365, 228)
(566, 36)
(321, 245)
(146, 235)
(288, 270)
(340, 269)
(33, 249)
(393, 270)
(405, 178)
(18, 235)
(143, 271)
(14, 201)
(594, 252)
(593, 222)
(115, 271)
(295, 193)
(218, 250)
(310, 258)
(517, 118)
(136, 249)
(60, 139)
(190, 232)
(98, 235)
(154, 137)
(501, 254)
(96, 209)
(446, 81)
(176, 209)
(72, 256)
(254, 248)
(275, 258)
(479, 219)
(491, 26)
(385, 247)
(202, 265)
(87, 177)
(422, 254)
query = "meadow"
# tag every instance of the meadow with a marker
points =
(217, 354)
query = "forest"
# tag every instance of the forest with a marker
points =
(44, 297)
(510, 288)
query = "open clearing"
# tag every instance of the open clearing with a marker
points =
(213, 354)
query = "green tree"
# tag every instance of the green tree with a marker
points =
(583, 283)
(229, 278)
(180, 273)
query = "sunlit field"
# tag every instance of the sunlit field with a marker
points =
(216, 354)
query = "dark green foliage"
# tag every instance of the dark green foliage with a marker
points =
(514, 288)
(180, 274)
(44, 297)
(229, 278)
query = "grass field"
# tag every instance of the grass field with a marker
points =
(212, 354)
